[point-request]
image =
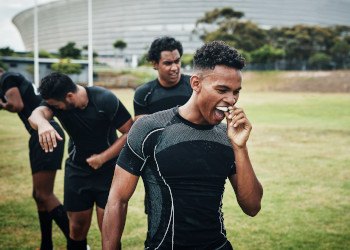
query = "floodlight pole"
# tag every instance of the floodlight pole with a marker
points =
(36, 46)
(90, 50)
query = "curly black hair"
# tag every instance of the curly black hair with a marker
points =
(165, 43)
(56, 86)
(217, 53)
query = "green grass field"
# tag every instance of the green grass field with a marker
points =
(299, 147)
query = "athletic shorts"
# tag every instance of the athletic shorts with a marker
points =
(41, 161)
(84, 187)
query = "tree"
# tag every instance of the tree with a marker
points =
(320, 61)
(225, 24)
(266, 54)
(6, 51)
(119, 44)
(70, 51)
(340, 53)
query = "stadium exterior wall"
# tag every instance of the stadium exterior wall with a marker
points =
(138, 22)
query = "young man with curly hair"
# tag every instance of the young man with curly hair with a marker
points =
(184, 156)
(170, 88)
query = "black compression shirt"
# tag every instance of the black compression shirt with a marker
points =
(93, 129)
(29, 98)
(153, 97)
(184, 167)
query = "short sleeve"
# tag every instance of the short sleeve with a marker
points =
(131, 157)
(140, 109)
(121, 116)
(10, 82)
(141, 96)
(111, 106)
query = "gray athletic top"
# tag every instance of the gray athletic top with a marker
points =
(184, 167)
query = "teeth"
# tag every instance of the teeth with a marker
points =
(224, 109)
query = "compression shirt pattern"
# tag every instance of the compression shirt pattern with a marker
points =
(184, 168)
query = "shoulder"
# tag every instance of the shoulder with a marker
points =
(149, 125)
(12, 79)
(185, 78)
(142, 91)
(101, 95)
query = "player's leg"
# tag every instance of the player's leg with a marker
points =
(79, 227)
(45, 222)
(79, 202)
(44, 168)
(43, 183)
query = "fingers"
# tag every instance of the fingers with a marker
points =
(94, 161)
(236, 117)
(48, 140)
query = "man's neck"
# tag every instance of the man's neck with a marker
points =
(166, 84)
(191, 113)
(82, 97)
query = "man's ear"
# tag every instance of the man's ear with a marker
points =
(155, 65)
(69, 96)
(195, 83)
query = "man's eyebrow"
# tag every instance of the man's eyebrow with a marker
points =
(165, 61)
(226, 87)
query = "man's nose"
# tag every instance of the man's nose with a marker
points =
(231, 99)
(174, 66)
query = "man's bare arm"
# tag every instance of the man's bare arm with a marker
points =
(48, 136)
(123, 187)
(14, 102)
(97, 160)
(246, 185)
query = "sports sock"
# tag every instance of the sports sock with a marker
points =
(46, 230)
(59, 215)
(76, 244)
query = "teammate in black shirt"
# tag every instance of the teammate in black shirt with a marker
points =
(184, 156)
(19, 97)
(91, 117)
(171, 88)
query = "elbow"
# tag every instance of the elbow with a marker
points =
(253, 210)
(32, 122)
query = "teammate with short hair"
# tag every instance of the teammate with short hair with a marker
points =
(184, 156)
(91, 116)
(170, 88)
(19, 97)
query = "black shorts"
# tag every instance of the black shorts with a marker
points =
(41, 161)
(84, 187)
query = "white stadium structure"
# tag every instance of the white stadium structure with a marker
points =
(138, 22)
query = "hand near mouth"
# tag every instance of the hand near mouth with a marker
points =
(238, 126)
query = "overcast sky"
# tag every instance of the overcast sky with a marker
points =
(9, 36)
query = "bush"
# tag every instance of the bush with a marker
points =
(66, 67)
(320, 61)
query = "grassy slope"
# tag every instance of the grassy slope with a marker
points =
(299, 148)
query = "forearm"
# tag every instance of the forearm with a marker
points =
(11, 108)
(249, 191)
(113, 225)
(37, 117)
(114, 149)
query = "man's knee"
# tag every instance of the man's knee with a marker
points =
(79, 228)
(41, 197)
